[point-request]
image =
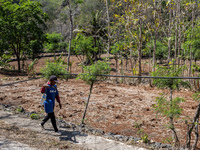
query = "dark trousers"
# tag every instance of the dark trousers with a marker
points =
(53, 120)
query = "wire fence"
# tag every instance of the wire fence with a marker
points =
(115, 76)
(8, 84)
(152, 77)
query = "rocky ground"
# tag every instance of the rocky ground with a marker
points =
(115, 108)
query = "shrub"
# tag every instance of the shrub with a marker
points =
(90, 72)
(58, 68)
(31, 69)
(19, 109)
(35, 116)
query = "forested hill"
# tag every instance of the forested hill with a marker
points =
(130, 29)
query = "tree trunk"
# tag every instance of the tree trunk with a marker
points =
(196, 134)
(131, 64)
(121, 70)
(18, 62)
(175, 46)
(82, 122)
(140, 51)
(70, 36)
(17, 54)
(191, 36)
(196, 116)
(174, 135)
(169, 35)
(126, 63)
(154, 52)
(108, 20)
(116, 59)
(169, 50)
(179, 32)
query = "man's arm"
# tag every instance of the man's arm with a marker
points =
(43, 89)
(58, 100)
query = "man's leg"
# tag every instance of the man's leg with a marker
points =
(46, 118)
(53, 121)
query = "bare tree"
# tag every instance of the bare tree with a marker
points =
(70, 33)
(154, 25)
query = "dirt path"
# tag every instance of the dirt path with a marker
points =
(20, 132)
(6, 144)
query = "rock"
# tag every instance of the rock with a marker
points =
(110, 133)
(157, 145)
(165, 145)
(101, 132)
(131, 138)
(136, 139)
(118, 137)
(126, 138)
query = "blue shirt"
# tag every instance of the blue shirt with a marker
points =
(51, 92)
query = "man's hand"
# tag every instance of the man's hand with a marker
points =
(60, 105)
(46, 86)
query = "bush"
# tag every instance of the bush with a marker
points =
(57, 68)
(19, 109)
(4, 60)
(35, 116)
(90, 72)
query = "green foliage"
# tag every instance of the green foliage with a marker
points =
(90, 19)
(192, 43)
(161, 49)
(83, 45)
(58, 68)
(171, 71)
(60, 118)
(168, 140)
(22, 28)
(19, 109)
(31, 71)
(168, 108)
(143, 135)
(53, 42)
(5, 59)
(115, 49)
(34, 48)
(63, 45)
(195, 67)
(135, 70)
(196, 96)
(194, 46)
(31, 66)
(145, 138)
(90, 72)
(35, 116)
(79, 1)
(137, 125)
(51, 8)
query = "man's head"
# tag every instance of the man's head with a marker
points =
(53, 80)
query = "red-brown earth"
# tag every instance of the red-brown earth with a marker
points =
(113, 107)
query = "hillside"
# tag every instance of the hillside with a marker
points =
(114, 108)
